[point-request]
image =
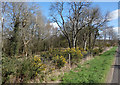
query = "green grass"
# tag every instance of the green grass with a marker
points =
(92, 71)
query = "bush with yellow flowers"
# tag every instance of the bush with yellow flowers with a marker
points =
(75, 53)
(85, 52)
(29, 68)
(59, 61)
(37, 65)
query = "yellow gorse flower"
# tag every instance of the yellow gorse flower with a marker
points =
(57, 57)
(85, 52)
(73, 49)
(36, 73)
(81, 54)
(61, 56)
(65, 50)
(38, 65)
(77, 48)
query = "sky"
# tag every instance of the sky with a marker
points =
(111, 7)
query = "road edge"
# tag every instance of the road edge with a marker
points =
(110, 73)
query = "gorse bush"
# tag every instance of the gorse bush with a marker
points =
(38, 67)
(76, 54)
(22, 69)
(100, 49)
(96, 51)
(8, 68)
(30, 68)
(59, 61)
(108, 45)
(26, 68)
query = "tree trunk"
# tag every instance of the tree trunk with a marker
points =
(2, 34)
(94, 41)
(25, 50)
(109, 36)
(89, 42)
(104, 38)
(73, 37)
(69, 42)
(74, 42)
(85, 44)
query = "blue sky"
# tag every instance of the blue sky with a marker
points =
(108, 7)
(104, 6)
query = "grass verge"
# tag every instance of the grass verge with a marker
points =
(92, 71)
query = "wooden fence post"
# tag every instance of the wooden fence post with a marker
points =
(69, 61)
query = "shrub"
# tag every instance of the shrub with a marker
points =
(81, 49)
(38, 65)
(22, 69)
(59, 61)
(84, 52)
(108, 45)
(100, 49)
(30, 68)
(87, 49)
(75, 54)
(8, 68)
(95, 51)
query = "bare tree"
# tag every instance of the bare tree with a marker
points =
(73, 17)
(26, 24)
(70, 17)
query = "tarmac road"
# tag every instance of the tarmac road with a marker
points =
(116, 73)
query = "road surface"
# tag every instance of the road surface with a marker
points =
(116, 73)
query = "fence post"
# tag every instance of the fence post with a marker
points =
(69, 61)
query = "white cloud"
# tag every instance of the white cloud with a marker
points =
(114, 14)
(115, 29)
(54, 25)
